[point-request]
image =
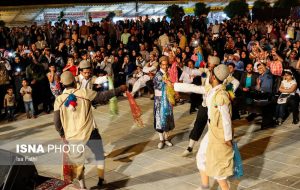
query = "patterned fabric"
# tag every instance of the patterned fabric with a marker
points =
(169, 124)
(276, 68)
(173, 72)
(135, 110)
(55, 86)
(52, 184)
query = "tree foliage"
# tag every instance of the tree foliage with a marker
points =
(60, 18)
(286, 3)
(2, 23)
(237, 8)
(201, 9)
(175, 12)
(261, 4)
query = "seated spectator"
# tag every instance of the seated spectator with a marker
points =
(149, 71)
(239, 65)
(288, 98)
(138, 73)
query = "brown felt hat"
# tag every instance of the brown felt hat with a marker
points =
(84, 64)
(67, 78)
(221, 72)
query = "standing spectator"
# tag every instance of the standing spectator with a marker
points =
(84, 31)
(35, 73)
(54, 81)
(18, 73)
(125, 37)
(4, 79)
(26, 92)
(182, 39)
(40, 44)
(264, 82)
(10, 104)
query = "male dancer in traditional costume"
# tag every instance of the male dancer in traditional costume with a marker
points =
(73, 119)
(215, 155)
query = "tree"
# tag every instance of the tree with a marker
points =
(237, 8)
(2, 23)
(60, 18)
(261, 4)
(201, 9)
(111, 15)
(175, 12)
(286, 3)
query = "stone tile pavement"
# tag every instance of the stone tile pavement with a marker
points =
(271, 157)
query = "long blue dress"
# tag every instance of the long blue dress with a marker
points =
(158, 125)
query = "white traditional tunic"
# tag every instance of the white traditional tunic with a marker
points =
(225, 117)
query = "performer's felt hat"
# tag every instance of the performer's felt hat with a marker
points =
(84, 64)
(221, 72)
(214, 60)
(67, 78)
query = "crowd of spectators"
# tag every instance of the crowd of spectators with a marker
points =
(262, 55)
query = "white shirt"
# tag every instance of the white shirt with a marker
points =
(288, 84)
(151, 68)
(188, 74)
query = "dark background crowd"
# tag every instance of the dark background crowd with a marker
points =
(256, 52)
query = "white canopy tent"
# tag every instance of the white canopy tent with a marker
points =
(41, 13)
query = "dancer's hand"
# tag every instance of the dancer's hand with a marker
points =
(228, 143)
(123, 88)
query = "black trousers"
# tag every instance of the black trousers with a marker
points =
(293, 106)
(196, 99)
(199, 124)
(150, 86)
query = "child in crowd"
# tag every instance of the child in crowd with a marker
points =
(10, 104)
(26, 92)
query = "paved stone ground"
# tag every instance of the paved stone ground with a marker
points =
(271, 157)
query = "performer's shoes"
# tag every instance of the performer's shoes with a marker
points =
(168, 143)
(186, 153)
(161, 144)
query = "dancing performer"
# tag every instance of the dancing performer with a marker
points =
(201, 119)
(163, 119)
(215, 155)
(73, 119)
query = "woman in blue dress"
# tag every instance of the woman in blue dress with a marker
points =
(163, 110)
